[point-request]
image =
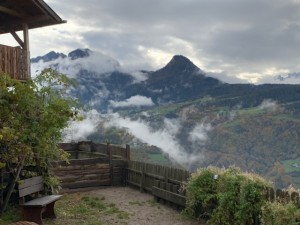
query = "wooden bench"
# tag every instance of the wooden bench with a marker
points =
(39, 207)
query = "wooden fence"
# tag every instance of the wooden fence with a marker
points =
(92, 165)
(95, 164)
(283, 196)
(13, 62)
(89, 149)
(163, 182)
(103, 164)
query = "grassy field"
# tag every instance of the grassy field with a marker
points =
(288, 165)
(292, 166)
(159, 158)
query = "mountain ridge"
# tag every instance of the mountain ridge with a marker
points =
(179, 80)
(251, 126)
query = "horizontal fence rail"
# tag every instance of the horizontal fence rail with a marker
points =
(13, 62)
(89, 149)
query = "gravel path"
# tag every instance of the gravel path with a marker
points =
(142, 208)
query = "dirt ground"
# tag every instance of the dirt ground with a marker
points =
(142, 208)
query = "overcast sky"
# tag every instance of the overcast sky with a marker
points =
(248, 39)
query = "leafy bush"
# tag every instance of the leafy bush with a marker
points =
(226, 196)
(202, 193)
(52, 184)
(32, 116)
(275, 213)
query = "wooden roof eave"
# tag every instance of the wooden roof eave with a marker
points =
(40, 15)
(22, 15)
(47, 10)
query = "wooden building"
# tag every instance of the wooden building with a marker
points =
(22, 15)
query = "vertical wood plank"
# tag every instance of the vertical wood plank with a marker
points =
(12, 62)
(26, 48)
(111, 166)
(142, 177)
(128, 152)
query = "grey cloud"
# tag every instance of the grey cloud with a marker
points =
(224, 77)
(164, 138)
(96, 62)
(137, 100)
(79, 130)
(234, 36)
(269, 104)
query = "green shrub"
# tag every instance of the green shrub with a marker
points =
(240, 198)
(275, 213)
(234, 198)
(202, 193)
(52, 184)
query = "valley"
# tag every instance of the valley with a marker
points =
(178, 115)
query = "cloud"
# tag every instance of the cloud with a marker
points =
(224, 77)
(281, 78)
(96, 62)
(80, 130)
(138, 76)
(137, 100)
(199, 133)
(245, 39)
(268, 104)
(173, 126)
(163, 138)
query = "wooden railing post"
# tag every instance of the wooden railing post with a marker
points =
(142, 178)
(26, 48)
(111, 165)
(128, 152)
(126, 172)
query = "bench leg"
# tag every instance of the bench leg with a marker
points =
(49, 212)
(33, 214)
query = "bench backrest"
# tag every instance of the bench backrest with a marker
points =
(30, 186)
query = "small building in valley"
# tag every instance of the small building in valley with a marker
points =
(22, 15)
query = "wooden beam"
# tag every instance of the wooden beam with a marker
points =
(10, 12)
(17, 38)
(26, 37)
(26, 47)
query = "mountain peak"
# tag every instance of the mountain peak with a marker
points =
(181, 63)
(48, 57)
(180, 59)
(79, 53)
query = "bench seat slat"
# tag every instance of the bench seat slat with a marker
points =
(43, 201)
